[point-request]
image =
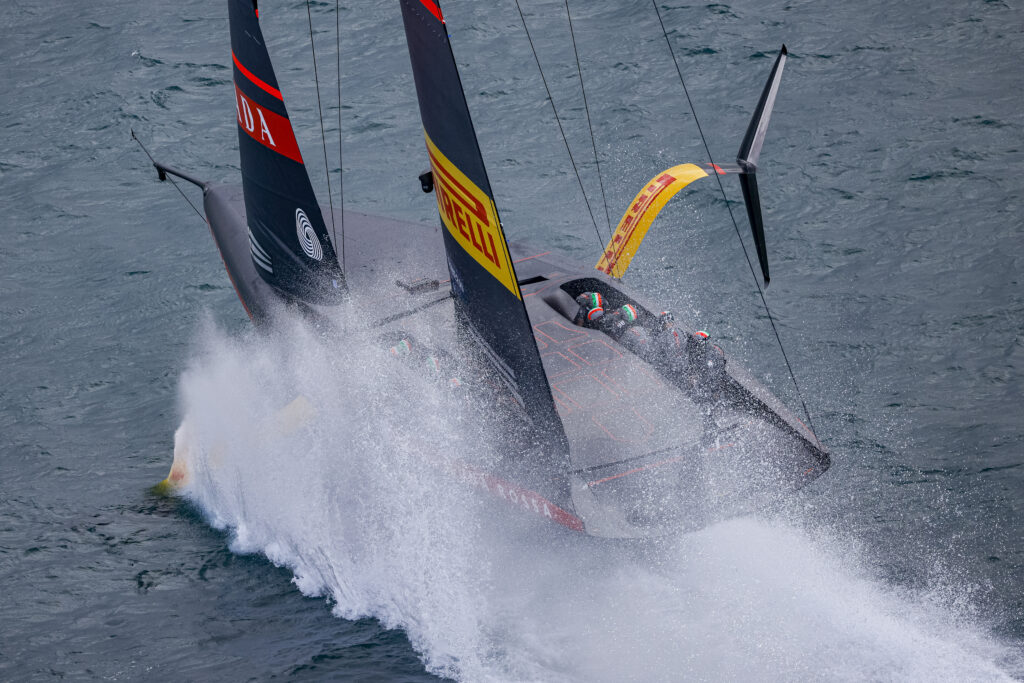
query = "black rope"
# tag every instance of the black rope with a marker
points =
(405, 314)
(323, 136)
(341, 160)
(593, 142)
(735, 225)
(184, 196)
(560, 129)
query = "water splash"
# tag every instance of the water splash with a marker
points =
(343, 486)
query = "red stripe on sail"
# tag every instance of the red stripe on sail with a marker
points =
(267, 128)
(433, 9)
(255, 80)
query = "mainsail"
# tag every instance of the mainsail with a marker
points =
(484, 283)
(288, 238)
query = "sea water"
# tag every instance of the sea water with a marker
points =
(351, 499)
(890, 181)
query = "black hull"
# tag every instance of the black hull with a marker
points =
(644, 441)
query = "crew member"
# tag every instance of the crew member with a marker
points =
(622, 325)
(667, 344)
(667, 339)
(437, 366)
(705, 364)
(591, 309)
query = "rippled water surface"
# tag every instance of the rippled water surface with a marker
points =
(891, 180)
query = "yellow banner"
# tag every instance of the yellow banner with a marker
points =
(632, 229)
(469, 214)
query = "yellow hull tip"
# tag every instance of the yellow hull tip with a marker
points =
(174, 482)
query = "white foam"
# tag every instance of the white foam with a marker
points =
(353, 502)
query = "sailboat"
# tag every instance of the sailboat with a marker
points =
(606, 408)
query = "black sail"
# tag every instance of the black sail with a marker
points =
(484, 284)
(289, 242)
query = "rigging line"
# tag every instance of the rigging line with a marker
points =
(341, 164)
(593, 143)
(176, 187)
(735, 225)
(560, 129)
(323, 136)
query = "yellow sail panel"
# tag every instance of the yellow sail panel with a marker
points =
(632, 229)
(469, 215)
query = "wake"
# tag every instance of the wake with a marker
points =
(322, 455)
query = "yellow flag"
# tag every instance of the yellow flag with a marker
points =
(632, 229)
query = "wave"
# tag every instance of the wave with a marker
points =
(321, 454)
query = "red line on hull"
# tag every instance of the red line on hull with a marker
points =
(513, 494)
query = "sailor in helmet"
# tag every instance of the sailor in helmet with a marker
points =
(623, 325)
(668, 343)
(438, 365)
(591, 309)
(666, 335)
(620, 320)
(705, 364)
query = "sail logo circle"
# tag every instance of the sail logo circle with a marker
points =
(307, 236)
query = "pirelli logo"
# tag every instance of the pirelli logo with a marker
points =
(636, 210)
(469, 215)
(642, 210)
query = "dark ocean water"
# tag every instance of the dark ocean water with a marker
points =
(892, 186)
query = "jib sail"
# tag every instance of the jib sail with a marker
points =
(483, 277)
(290, 245)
